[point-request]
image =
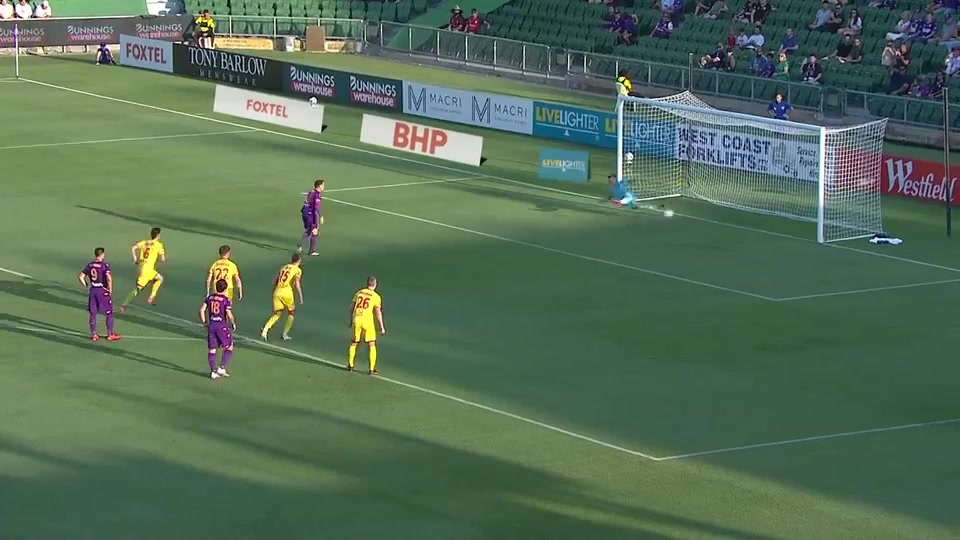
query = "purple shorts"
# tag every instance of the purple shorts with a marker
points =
(100, 302)
(219, 337)
(309, 223)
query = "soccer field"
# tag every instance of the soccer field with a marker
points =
(553, 368)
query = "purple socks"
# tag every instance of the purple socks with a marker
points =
(212, 360)
(227, 353)
(313, 243)
(93, 323)
(110, 323)
(306, 237)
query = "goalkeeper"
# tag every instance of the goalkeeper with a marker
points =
(620, 193)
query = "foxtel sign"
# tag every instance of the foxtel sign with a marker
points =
(917, 179)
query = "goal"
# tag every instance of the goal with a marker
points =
(679, 146)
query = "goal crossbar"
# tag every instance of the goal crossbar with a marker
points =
(681, 146)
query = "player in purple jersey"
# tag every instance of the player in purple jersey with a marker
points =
(96, 278)
(312, 214)
(219, 333)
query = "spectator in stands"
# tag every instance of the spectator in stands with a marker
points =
(474, 22)
(811, 72)
(943, 8)
(23, 10)
(822, 18)
(104, 56)
(921, 88)
(836, 20)
(926, 30)
(885, 4)
(856, 54)
(610, 14)
(790, 43)
(6, 10)
(742, 38)
(616, 25)
(903, 54)
(899, 82)
(732, 40)
(854, 24)
(671, 7)
(760, 64)
(760, 12)
(782, 71)
(952, 63)
(780, 108)
(43, 10)
(757, 40)
(664, 28)
(703, 7)
(843, 49)
(745, 15)
(718, 59)
(628, 29)
(888, 58)
(457, 22)
(903, 28)
(718, 8)
(939, 83)
(948, 32)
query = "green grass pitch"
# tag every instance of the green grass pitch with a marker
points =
(553, 368)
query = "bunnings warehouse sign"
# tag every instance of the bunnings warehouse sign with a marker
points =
(92, 31)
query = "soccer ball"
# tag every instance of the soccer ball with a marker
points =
(628, 157)
(313, 102)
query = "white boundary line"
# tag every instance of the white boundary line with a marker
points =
(786, 442)
(449, 397)
(126, 139)
(480, 175)
(403, 184)
(81, 334)
(553, 250)
(864, 291)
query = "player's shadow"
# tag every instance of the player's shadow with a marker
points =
(200, 227)
(65, 336)
(57, 294)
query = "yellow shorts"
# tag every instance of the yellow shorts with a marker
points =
(146, 276)
(364, 330)
(283, 301)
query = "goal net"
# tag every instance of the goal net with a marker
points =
(680, 146)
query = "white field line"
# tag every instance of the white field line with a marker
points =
(864, 291)
(81, 334)
(123, 140)
(786, 442)
(553, 250)
(403, 184)
(462, 171)
(14, 273)
(424, 390)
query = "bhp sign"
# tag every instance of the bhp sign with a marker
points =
(918, 179)
(149, 54)
(267, 108)
(424, 140)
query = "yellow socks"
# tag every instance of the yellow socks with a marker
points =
(288, 324)
(373, 356)
(156, 287)
(271, 321)
(351, 355)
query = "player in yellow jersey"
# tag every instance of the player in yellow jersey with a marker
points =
(365, 308)
(225, 269)
(287, 279)
(146, 254)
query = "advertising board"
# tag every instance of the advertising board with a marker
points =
(92, 31)
(280, 111)
(422, 140)
(503, 113)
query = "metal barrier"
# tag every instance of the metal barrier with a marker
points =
(290, 26)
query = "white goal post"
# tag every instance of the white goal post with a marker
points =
(680, 146)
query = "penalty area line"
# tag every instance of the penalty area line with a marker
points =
(555, 250)
(123, 140)
(81, 334)
(845, 434)
(403, 184)
(191, 324)
(865, 291)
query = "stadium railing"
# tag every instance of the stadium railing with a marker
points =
(552, 62)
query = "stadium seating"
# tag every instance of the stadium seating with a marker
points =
(373, 11)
